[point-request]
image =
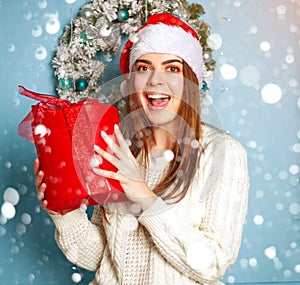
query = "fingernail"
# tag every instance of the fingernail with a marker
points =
(97, 171)
(40, 196)
(96, 147)
(103, 134)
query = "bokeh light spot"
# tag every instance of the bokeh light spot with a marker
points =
(8, 210)
(253, 29)
(281, 9)
(27, 16)
(26, 219)
(271, 93)
(214, 41)
(252, 144)
(296, 147)
(293, 82)
(279, 206)
(268, 176)
(293, 28)
(40, 130)
(270, 252)
(294, 209)
(11, 48)
(265, 46)
(43, 4)
(294, 169)
(244, 263)
(135, 209)
(7, 164)
(289, 58)
(258, 220)
(31, 278)
(283, 175)
(253, 262)
(169, 155)
(11, 195)
(76, 277)
(228, 71)
(41, 53)
(193, 256)
(37, 31)
(96, 160)
(21, 229)
(2, 231)
(53, 24)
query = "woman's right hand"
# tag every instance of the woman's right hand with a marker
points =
(40, 185)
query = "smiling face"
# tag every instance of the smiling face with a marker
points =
(163, 104)
(158, 82)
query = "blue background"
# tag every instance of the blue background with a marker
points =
(260, 43)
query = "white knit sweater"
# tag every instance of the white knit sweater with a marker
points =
(191, 242)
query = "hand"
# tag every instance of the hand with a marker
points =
(129, 175)
(40, 186)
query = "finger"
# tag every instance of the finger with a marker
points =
(39, 178)
(40, 196)
(36, 166)
(110, 142)
(110, 174)
(41, 191)
(44, 204)
(123, 144)
(107, 156)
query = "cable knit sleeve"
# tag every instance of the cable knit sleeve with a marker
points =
(81, 240)
(204, 250)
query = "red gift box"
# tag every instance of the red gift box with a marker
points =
(64, 134)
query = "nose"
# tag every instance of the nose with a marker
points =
(156, 78)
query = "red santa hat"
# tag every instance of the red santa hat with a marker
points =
(164, 33)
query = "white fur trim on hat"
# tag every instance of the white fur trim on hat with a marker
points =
(162, 38)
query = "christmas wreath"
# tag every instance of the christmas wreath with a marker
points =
(99, 29)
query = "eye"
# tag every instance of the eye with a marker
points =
(142, 68)
(174, 68)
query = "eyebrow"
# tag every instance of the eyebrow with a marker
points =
(163, 63)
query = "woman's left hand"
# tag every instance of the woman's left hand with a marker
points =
(129, 175)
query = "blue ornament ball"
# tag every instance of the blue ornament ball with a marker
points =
(123, 15)
(204, 86)
(83, 36)
(65, 83)
(81, 84)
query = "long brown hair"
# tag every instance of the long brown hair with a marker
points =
(138, 130)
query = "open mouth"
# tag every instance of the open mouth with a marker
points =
(158, 101)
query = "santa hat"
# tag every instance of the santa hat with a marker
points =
(164, 33)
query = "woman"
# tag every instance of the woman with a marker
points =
(186, 183)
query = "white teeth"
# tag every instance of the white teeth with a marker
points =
(157, 96)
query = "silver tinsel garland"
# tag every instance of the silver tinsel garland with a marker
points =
(99, 27)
